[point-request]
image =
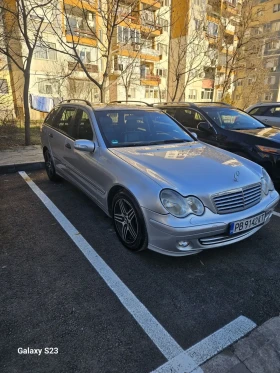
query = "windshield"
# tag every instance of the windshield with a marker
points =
(121, 128)
(233, 119)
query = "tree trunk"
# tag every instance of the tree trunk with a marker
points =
(102, 94)
(26, 103)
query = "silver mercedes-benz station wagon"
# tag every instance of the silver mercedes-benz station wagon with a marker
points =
(165, 190)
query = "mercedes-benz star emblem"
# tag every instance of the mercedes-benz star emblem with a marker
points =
(236, 175)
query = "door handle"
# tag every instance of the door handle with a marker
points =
(68, 146)
(51, 135)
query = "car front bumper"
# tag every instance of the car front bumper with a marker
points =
(167, 233)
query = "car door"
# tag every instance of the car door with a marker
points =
(57, 135)
(84, 168)
(274, 119)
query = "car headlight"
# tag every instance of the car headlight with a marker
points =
(180, 206)
(267, 149)
(267, 184)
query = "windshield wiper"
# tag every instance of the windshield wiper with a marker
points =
(255, 128)
(173, 141)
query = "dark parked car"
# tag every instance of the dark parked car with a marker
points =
(231, 129)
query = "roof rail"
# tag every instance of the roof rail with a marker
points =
(126, 101)
(77, 99)
(213, 102)
(171, 102)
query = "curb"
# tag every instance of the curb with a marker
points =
(8, 169)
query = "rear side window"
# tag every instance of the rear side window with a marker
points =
(64, 121)
(260, 111)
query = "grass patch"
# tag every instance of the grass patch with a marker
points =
(13, 136)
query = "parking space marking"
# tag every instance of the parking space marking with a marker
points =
(276, 213)
(161, 338)
(211, 345)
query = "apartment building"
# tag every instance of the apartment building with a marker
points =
(6, 98)
(267, 14)
(138, 53)
(206, 30)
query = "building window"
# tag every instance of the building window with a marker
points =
(165, 2)
(162, 72)
(151, 92)
(239, 83)
(219, 95)
(44, 53)
(207, 94)
(276, 8)
(4, 89)
(212, 29)
(192, 94)
(162, 48)
(132, 93)
(163, 94)
(47, 86)
(272, 45)
(268, 96)
(126, 35)
(163, 23)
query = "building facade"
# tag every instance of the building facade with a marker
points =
(81, 41)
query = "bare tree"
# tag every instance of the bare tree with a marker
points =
(190, 58)
(20, 33)
(114, 29)
(240, 42)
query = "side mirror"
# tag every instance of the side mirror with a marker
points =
(84, 146)
(204, 127)
(194, 135)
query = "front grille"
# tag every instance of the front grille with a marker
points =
(237, 199)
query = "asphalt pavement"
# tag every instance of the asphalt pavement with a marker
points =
(52, 297)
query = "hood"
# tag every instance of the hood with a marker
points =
(191, 168)
(268, 133)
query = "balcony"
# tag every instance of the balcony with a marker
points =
(81, 36)
(150, 79)
(150, 54)
(89, 67)
(153, 4)
(88, 4)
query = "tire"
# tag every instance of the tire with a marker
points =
(49, 166)
(129, 222)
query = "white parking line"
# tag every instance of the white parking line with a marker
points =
(276, 213)
(161, 338)
(210, 346)
(179, 361)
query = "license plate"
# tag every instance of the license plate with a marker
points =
(245, 224)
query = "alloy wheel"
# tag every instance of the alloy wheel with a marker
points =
(126, 221)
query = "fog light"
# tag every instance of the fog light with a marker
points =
(182, 245)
